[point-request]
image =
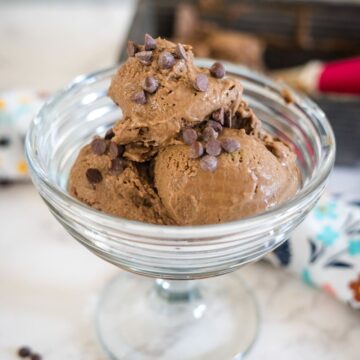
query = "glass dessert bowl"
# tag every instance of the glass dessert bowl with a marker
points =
(170, 312)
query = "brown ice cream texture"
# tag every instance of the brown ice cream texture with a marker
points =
(188, 150)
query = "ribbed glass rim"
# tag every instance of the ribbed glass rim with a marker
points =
(199, 231)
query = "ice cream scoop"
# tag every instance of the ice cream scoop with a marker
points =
(184, 97)
(246, 181)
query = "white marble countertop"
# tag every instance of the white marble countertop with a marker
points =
(49, 283)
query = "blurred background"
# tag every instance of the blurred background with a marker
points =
(45, 277)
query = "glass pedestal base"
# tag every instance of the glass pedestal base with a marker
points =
(139, 318)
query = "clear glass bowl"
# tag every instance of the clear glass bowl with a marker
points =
(171, 318)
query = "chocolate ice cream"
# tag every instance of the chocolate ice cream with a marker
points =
(188, 150)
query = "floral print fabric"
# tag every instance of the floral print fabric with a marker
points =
(325, 250)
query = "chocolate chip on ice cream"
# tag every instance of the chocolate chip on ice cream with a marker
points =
(230, 145)
(109, 134)
(196, 150)
(189, 136)
(115, 150)
(208, 163)
(209, 133)
(144, 57)
(166, 60)
(117, 166)
(213, 147)
(139, 98)
(132, 48)
(180, 51)
(150, 84)
(93, 175)
(217, 70)
(98, 146)
(149, 43)
(215, 125)
(201, 82)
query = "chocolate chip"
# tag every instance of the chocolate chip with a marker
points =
(230, 145)
(6, 182)
(180, 51)
(166, 60)
(4, 141)
(196, 150)
(201, 82)
(218, 115)
(150, 42)
(150, 84)
(209, 133)
(35, 357)
(115, 150)
(93, 175)
(189, 136)
(109, 134)
(24, 351)
(139, 98)
(213, 147)
(208, 163)
(117, 166)
(144, 57)
(215, 125)
(98, 146)
(227, 119)
(132, 48)
(217, 70)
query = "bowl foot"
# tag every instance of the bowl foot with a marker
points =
(138, 318)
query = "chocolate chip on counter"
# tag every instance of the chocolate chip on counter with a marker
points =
(217, 70)
(166, 60)
(144, 57)
(35, 357)
(209, 133)
(218, 115)
(98, 146)
(115, 150)
(139, 98)
(230, 145)
(196, 150)
(132, 48)
(4, 141)
(180, 51)
(6, 182)
(150, 42)
(24, 351)
(150, 84)
(117, 166)
(201, 82)
(213, 147)
(208, 163)
(215, 125)
(93, 175)
(189, 136)
(109, 134)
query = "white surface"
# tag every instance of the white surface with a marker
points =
(49, 283)
(44, 46)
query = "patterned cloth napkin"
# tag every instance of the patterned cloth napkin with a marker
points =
(324, 250)
(17, 108)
